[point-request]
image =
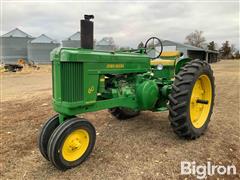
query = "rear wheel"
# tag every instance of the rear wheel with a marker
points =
(123, 113)
(71, 143)
(191, 100)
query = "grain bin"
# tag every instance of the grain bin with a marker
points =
(106, 44)
(13, 46)
(39, 49)
(72, 41)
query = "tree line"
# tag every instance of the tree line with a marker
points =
(226, 51)
(196, 38)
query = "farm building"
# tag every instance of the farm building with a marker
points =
(191, 51)
(106, 44)
(39, 49)
(13, 46)
(72, 41)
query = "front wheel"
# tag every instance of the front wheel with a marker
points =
(71, 143)
(191, 100)
(46, 133)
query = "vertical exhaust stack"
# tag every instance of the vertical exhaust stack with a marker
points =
(87, 32)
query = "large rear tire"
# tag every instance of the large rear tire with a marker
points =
(191, 100)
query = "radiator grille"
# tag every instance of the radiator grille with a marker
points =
(53, 80)
(71, 81)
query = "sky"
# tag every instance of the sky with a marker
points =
(128, 22)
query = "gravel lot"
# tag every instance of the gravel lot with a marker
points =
(142, 148)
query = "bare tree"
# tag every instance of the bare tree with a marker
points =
(237, 55)
(212, 46)
(140, 45)
(227, 50)
(233, 49)
(196, 38)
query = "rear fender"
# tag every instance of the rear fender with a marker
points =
(180, 63)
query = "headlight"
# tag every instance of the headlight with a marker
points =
(159, 67)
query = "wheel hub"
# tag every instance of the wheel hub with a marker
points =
(200, 101)
(75, 145)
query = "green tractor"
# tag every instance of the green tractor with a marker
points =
(125, 83)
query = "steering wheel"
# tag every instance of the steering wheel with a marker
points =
(153, 47)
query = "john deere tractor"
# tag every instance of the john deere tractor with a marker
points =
(125, 83)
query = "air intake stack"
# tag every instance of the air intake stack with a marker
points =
(87, 32)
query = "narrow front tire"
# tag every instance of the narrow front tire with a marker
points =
(46, 133)
(71, 143)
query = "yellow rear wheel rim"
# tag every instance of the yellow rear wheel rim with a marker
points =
(75, 145)
(202, 90)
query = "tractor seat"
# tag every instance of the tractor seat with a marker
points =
(166, 58)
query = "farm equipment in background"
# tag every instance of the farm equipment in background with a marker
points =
(19, 66)
(21, 62)
(33, 65)
(126, 83)
(15, 67)
(12, 67)
(30, 64)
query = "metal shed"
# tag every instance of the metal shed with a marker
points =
(39, 49)
(13, 46)
(106, 44)
(191, 51)
(72, 41)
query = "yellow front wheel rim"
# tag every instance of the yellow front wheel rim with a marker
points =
(75, 145)
(201, 100)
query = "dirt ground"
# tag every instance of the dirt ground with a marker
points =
(144, 147)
